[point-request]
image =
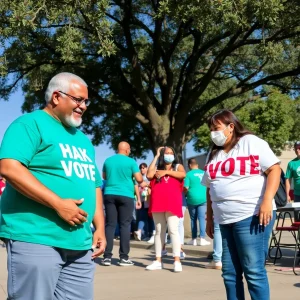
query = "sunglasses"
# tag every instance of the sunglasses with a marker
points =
(77, 100)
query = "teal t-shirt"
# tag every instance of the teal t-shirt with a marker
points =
(196, 193)
(62, 159)
(293, 171)
(119, 170)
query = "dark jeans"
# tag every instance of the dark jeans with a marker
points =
(118, 209)
(245, 248)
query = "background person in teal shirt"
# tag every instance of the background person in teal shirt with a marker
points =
(196, 202)
(293, 173)
(118, 171)
(52, 196)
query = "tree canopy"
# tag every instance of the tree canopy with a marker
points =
(155, 68)
(273, 118)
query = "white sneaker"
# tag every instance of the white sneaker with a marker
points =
(156, 265)
(192, 242)
(164, 252)
(151, 240)
(214, 265)
(182, 255)
(177, 266)
(203, 242)
(137, 235)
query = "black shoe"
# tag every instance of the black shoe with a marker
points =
(125, 263)
(106, 262)
(210, 256)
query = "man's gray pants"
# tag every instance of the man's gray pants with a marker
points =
(39, 272)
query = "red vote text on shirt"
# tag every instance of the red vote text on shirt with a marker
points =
(228, 166)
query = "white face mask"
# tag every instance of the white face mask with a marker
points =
(168, 158)
(218, 137)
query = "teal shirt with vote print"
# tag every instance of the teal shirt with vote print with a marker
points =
(61, 158)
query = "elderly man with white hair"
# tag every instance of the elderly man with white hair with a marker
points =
(51, 198)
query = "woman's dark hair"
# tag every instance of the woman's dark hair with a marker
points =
(226, 117)
(161, 162)
(143, 165)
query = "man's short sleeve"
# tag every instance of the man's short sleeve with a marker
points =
(187, 181)
(135, 167)
(20, 143)
(98, 180)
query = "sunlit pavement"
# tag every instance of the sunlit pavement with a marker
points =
(195, 282)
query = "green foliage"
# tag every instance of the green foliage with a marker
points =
(155, 69)
(295, 132)
(272, 119)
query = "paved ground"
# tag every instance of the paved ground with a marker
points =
(194, 282)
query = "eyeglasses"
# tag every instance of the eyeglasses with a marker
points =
(77, 100)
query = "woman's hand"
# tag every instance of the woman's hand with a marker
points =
(160, 173)
(158, 151)
(265, 212)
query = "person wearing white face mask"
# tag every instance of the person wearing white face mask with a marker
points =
(242, 176)
(166, 182)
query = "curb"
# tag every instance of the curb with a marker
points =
(199, 251)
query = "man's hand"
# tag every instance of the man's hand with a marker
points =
(69, 211)
(138, 204)
(99, 243)
(289, 199)
(210, 228)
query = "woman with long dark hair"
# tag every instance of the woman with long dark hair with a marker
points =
(242, 176)
(166, 176)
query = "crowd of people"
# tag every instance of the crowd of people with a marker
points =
(55, 193)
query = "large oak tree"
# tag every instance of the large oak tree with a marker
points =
(155, 68)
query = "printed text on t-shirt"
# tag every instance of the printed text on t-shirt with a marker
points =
(80, 169)
(228, 166)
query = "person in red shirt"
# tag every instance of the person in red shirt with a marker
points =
(166, 176)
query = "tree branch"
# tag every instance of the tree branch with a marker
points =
(254, 73)
(274, 37)
(114, 18)
(139, 23)
(249, 100)
(193, 120)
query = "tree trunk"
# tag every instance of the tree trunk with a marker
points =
(174, 140)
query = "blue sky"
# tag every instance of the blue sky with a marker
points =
(10, 110)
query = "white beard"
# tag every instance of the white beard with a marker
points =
(72, 122)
